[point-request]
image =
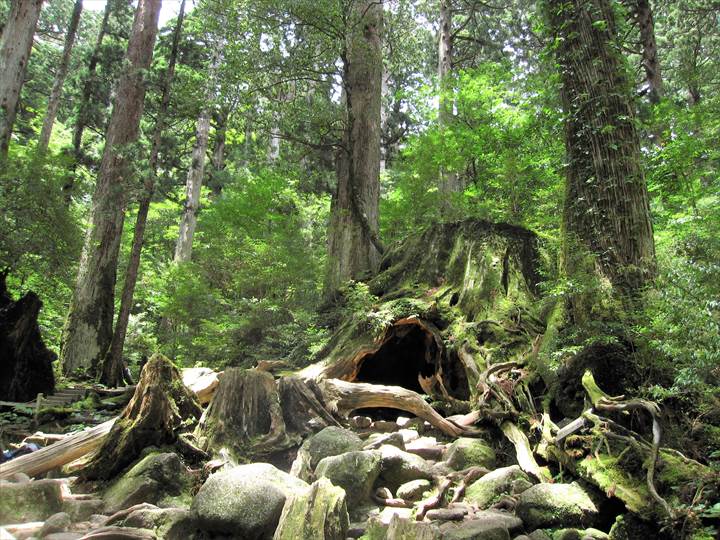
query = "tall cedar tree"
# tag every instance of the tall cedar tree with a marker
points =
(606, 210)
(354, 243)
(112, 365)
(15, 46)
(88, 330)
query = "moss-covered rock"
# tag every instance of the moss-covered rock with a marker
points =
(579, 534)
(398, 467)
(413, 490)
(355, 472)
(167, 523)
(487, 490)
(158, 478)
(245, 501)
(550, 505)
(319, 512)
(29, 501)
(487, 525)
(465, 452)
(331, 441)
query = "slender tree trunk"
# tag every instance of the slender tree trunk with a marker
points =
(88, 330)
(449, 180)
(83, 112)
(112, 365)
(15, 47)
(354, 243)
(651, 63)
(218, 157)
(193, 185)
(606, 212)
(384, 93)
(56, 93)
(273, 153)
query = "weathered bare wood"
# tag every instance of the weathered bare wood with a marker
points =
(524, 453)
(573, 427)
(346, 397)
(62, 452)
(22, 530)
(203, 381)
(120, 533)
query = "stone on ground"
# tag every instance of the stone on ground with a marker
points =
(355, 472)
(488, 489)
(399, 467)
(553, 505)
(331, 441)
(413, 490)
(465, 452)
(245, 501)
(29, 501)
(320, 512)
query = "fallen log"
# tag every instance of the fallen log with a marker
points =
(344, 397)
(58, 454)
(524, 453)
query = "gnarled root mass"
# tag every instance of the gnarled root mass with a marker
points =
(153, 417)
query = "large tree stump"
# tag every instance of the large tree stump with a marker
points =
(26, 367)
(245, 416)
(303, 406)
(156, 411)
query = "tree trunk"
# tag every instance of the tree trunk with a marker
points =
(112, 365)
(88, 331)
(26, 367)
(218, 157)
(644, 17)
(354, 243)
(606, 209)
(449, 180)
(56, 93)
(156, 411)
(15, 47)
(273, 153)
(82, 115)
(193, 185)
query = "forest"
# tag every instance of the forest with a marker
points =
(377, 269)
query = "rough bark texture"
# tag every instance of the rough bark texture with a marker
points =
(112, 365)
(56, 93)
(156, 411)
(650, 62)
(449, 180)
(218, 158)
(245, 415)
(354, 244)
(193, 184)
(26, 366)
(15, 46)
(606, 202)
(88, 330)
(83, 109)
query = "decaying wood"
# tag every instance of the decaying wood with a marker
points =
(435, 500)
(152, 418)
(471, 474)
(245, 415)
(120, 515)
(303, 406)
(524, 453)
(22, 530)
(345, 397)
(202, 381)
(119, 533)
(58, 454)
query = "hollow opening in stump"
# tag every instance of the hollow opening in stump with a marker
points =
(410, 351)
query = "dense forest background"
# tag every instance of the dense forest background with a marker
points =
(255, 111)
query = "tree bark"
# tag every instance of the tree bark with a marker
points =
(650, 62)
(606, 210)
(82, 116)
(218, 157)
(15, 47)
(112, 365)
(449, 180)
(354, 243)
(88, 331)
(193, 185)
(56, 93)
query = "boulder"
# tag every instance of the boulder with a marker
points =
(488, 489)
(376, 440)
(465, 452)
(553, 505)
(398, 467)
(168, 523)
(331, 441)
(30, 501)
(489, 525)
(577, 534)
(245, 501)
(56, 523)
(319, 512)
(355, 472)
(158, 478)
(413, 490)
(409, 529)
